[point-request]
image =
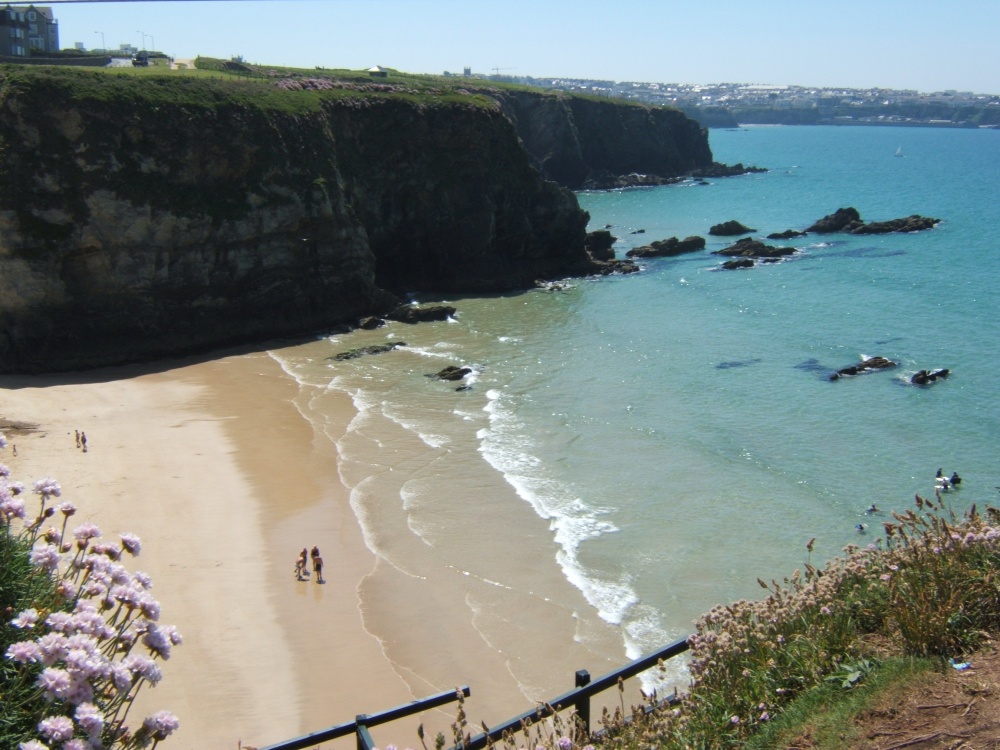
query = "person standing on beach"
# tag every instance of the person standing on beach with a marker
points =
(83, 441)
(77, 438)
(300, 564)
(318, 569)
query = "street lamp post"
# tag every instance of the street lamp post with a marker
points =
(104, 47)
(143, 38)
(152, 43)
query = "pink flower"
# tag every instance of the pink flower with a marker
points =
(12, 508)
(52, 647)
(161, 724)
(54, 682)
(24, 652)
(33, 745)
(46, 556)
(90, 719)
(56, 728)
(67, 509)
(86, 531)
(47, 487)
(131, 544)
(25, 619)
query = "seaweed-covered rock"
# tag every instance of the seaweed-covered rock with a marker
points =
(751, 248)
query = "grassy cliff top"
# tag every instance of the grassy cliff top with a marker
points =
(213, 82)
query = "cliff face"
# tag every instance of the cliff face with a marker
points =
(137, 223)
(582, 142)
(151, 216)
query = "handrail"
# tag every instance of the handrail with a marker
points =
(363, 721)
(578, 698)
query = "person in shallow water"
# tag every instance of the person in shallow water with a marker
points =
(871, 509)
(955, 479)
(861, 528)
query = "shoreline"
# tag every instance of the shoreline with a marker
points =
(214, 465)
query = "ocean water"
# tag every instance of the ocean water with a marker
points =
(674, 432)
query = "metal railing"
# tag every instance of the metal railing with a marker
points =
(577, 699)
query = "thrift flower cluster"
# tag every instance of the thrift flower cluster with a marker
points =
(92, 637)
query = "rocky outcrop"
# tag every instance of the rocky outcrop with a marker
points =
(598, 244)
(788, 234)
(848, 220)
(141, 218)
(668, 248)
(591, 143)
(731, 228)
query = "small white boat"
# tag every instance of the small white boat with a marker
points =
(899, 151)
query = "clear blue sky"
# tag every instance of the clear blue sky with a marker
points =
(916, 44)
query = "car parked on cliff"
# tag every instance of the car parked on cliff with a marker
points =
(140, 59)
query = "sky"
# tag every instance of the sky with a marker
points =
(926, 45)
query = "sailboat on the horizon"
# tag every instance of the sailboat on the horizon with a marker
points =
(899, 151)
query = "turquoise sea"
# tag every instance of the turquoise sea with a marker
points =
(675, 431)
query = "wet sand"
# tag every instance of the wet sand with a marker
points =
(214, 466)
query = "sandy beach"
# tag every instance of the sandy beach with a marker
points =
(213, 466)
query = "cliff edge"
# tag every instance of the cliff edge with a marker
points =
(143, 217)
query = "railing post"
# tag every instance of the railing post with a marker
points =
(365, 741)
(582, 705)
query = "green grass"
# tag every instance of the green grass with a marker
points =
(828, 713)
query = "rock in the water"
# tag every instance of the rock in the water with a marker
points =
(872, 363)
(926, 377)
(730, 228)
(841, 220)
(914, 223)
(788, 234)
(668, 247)
(731, 265)
(453, 372)
(412, 314)
(848, 220)
(751, 248)
(375, 349)
(370, 323)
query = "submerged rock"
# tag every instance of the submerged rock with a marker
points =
(362, 351)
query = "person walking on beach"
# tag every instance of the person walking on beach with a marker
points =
(83, 441)
(77, 438)
(318, 569)
(300, 564)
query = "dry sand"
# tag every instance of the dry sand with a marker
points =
(166, 460)
(213, 466)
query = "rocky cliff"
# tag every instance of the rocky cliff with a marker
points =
(585, 142)
(143, 217)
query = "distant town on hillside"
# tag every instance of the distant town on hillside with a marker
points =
(730, 104)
